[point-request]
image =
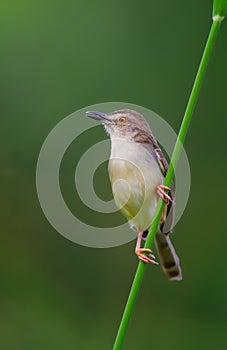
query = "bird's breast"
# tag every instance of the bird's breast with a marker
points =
(134, 175)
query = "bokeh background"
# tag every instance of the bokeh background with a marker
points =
(60, 56)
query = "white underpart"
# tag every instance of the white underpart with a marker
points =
(130, 162)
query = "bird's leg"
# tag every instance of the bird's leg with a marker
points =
(166, 198)
(140, 251)
(164, 213)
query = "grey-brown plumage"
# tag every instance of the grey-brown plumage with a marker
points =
(138, 164)
(169, 260)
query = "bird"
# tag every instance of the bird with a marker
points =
(137, 169)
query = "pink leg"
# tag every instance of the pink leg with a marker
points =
(140, 251)
(164, 213)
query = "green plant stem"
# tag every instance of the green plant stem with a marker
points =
(169, 177)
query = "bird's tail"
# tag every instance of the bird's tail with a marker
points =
(169, 260)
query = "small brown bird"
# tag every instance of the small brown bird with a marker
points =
(137, 168)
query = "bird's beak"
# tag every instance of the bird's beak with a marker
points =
(103, 117)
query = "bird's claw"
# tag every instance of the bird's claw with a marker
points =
(150, 258)
(161, 192)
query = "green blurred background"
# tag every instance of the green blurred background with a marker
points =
(57, 57)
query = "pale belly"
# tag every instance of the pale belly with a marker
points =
(134, 183)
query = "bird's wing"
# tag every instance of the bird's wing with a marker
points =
(163, 164)
(151, 144)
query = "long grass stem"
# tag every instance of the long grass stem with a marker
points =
(169, 177)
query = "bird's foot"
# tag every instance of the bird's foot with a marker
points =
(146, 258)
(161, 192)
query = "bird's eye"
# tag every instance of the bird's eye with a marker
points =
(122, 120)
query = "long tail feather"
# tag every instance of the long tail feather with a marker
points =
(169, 260)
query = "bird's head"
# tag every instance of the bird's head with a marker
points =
(122, 123)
